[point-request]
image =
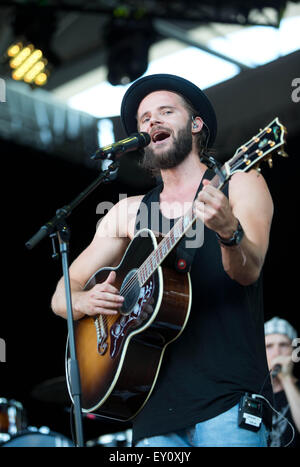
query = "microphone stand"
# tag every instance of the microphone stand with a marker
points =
(57, 227)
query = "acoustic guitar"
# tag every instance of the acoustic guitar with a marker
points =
(119, 356)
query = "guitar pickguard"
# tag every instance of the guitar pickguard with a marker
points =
(125, 323)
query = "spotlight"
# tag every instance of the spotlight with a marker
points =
(127, 42)
(27, 64)
(30, 56)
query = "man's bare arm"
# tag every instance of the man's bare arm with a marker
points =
(106, 249)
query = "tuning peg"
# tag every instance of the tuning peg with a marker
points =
(282, 153)
(270, 162)
(258, 170)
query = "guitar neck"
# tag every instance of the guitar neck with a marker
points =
(179, 229)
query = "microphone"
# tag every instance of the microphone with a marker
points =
(276, 370)
(132, 143)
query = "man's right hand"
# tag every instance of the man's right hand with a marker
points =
(103, 299)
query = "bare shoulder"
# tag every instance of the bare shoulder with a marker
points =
(127, 210)
(111, 238)
(250, 189)
(120, 219)
(130, 203)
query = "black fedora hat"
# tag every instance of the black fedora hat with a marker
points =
(144, 86)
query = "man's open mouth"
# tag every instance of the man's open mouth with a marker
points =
(159, 136)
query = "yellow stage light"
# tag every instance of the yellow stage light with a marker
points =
(41, 79)
(34, 71)
(21, 56)
(28, 64)
(14, 49)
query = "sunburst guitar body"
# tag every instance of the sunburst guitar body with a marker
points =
(119, 356)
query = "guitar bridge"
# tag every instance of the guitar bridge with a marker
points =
(101, 330)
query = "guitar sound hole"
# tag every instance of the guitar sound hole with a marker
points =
(130, 290)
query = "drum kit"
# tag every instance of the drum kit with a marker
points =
(15, 431)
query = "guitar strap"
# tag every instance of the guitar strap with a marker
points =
(184, 255)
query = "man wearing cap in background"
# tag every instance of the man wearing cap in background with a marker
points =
(280, 337)
(220, 355)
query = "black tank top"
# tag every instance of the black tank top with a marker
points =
(220, 354)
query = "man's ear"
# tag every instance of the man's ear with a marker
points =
(197, 124)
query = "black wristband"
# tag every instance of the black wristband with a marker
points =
(235, 239)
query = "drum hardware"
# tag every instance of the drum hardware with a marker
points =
(15, 432)
(12, 418)
(38, 437)
(121, 438)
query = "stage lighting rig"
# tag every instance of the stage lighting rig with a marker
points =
(28, 64)
(30, 56)
(127, 43)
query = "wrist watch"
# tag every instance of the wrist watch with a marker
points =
(235, 239)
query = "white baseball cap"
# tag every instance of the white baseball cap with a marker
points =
(280, 326)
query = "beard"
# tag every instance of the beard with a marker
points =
(170, 158)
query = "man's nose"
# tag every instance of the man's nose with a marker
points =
(155, 119)
(277, 351)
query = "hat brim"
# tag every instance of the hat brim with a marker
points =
(144, 86)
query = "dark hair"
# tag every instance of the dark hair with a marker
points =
(201, 137)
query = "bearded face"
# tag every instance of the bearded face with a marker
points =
(168, 150)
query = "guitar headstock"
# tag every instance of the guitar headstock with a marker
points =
(257, 149)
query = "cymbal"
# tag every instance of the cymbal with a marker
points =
(52, 390)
